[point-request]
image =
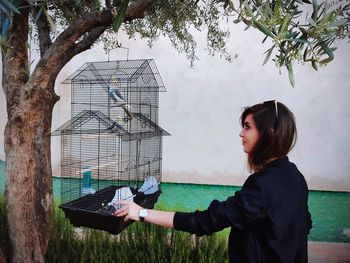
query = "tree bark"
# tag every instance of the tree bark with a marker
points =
(29, 179)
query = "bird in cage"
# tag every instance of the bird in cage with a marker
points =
(118, 98)
(116, 95)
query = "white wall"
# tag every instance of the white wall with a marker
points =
(202, 107)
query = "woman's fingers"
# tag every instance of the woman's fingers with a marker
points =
(128, 209)
(122, 211)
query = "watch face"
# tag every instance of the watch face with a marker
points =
(143, 213)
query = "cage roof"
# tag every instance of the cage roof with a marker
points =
(79, 124)
(121, 71)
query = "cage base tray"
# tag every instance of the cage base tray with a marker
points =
(89, 210)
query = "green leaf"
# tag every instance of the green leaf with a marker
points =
(315, 7)
(291, 74)
(284, 24)
(305, 53)
(268, 10)
(38, 14)
(263, 28)
(326, 60)
(313, 63)
(3, 8)
(327, 50)
(118, 20)
(9, 6)
(5, 27)
(299, 40)
(248, 9)
(268, 54)
(303, 30)
(326, 6)
(312, 22)
(292, 34)
(338, 23)
(264, 40)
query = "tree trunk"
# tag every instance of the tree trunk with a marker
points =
(30, 99)
(28, 170)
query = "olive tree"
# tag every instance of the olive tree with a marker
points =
(65, 28)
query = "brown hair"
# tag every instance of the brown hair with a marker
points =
(277, 132)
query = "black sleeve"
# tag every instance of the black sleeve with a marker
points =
(239, 210)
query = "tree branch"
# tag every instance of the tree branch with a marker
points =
(138, 9)
(77, 48)
(43, 31)
(85, 23)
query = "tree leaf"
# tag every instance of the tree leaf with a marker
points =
(38, 14)
(248, 9)
(3, 8)
(284, 24)
(312, 22)
(299, 40)
(268, 55)
(338, 23)
(263, 28)
(5, 27)
(326, 6)
(305, 53)
(118, 20)
(327, 50)
(291, 74)
(303, 30)
(315, 8)
(9, 6)
(292, 34)
(326, 60)
(264, 40)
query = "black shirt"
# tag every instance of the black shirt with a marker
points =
(269, 216)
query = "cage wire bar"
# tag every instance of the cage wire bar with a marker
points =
(112, 140)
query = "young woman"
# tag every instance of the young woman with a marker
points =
(269, 216)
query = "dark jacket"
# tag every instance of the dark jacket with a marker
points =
(269, 216)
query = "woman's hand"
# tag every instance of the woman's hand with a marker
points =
(128, 209)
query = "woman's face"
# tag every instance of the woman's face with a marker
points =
(249, 134)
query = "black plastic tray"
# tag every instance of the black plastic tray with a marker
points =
(91, 210)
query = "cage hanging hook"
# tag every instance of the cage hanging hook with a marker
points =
(118, 46)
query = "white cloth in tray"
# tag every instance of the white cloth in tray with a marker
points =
(123, 193)
(150, 185)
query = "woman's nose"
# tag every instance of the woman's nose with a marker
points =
(241, 134)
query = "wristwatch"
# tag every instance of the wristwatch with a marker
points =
(142, 214)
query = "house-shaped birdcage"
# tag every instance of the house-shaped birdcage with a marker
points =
(112, 142)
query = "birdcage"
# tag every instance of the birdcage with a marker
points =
(111, 148)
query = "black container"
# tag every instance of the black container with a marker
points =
(91, 210)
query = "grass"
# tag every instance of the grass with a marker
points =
(140, 242)
(4, 237)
